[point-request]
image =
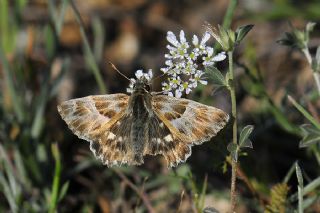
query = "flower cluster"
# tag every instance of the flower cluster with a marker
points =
(183, 68)
(139, 74)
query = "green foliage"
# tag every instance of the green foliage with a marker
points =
(316, 61)
(244, 142)
(241, 32)
(311, 135)
(215, 76)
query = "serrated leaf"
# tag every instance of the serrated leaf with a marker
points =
(311, 135)
(244, 137)
(242, 31)
(215, 76)
(233, 149)
(299, 175)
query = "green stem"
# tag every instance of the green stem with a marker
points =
(56, 179)
(234, 131)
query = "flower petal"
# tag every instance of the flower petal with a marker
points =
(205, 38)
(182, 37)
(139, 74)
(220, 57)
(195, 40)
(172, 38)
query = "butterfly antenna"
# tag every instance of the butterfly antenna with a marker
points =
(116, 69)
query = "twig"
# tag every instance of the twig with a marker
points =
(141, 193)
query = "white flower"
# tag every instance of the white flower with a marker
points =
(139, 74)
(183, 61)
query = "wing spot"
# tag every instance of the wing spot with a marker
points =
(96, 126)
(80, 111)
(82, 127)
(109, 113)
(121, 105)
(101, 104)
(168, 138)
(111, 136)
(180, 108)
(171, 116)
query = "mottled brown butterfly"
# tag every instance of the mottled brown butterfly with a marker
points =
(123, 129)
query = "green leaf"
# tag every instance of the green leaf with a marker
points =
(304, 112)
(299, 175)
(311, 135)
(316, 61)
(215, 76)
(307, 189)
(242, 31)
(311, 186)
(244, 140)
(63, 190)
(289, 173)
(233, 149)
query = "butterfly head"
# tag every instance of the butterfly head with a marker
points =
(142, 85)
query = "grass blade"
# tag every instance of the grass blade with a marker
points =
(56, 179)
(17, 107)
(90, 57)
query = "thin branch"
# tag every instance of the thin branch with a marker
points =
(140, 192)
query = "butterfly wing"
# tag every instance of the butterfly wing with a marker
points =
(101, 120)
(182, 123)
(160, 141)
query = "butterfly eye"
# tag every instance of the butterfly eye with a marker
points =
(147, 87)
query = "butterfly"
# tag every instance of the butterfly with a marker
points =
(123, 129)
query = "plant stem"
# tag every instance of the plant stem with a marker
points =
(316, 75)
(234, 131)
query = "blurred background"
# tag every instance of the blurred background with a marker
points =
(52, 51)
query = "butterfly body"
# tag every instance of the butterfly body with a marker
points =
(122, 129)
(140, 109)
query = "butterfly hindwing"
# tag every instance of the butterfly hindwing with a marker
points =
(190, 121)
(162, 141)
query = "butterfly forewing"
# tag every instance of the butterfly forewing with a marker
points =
(99, 119)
